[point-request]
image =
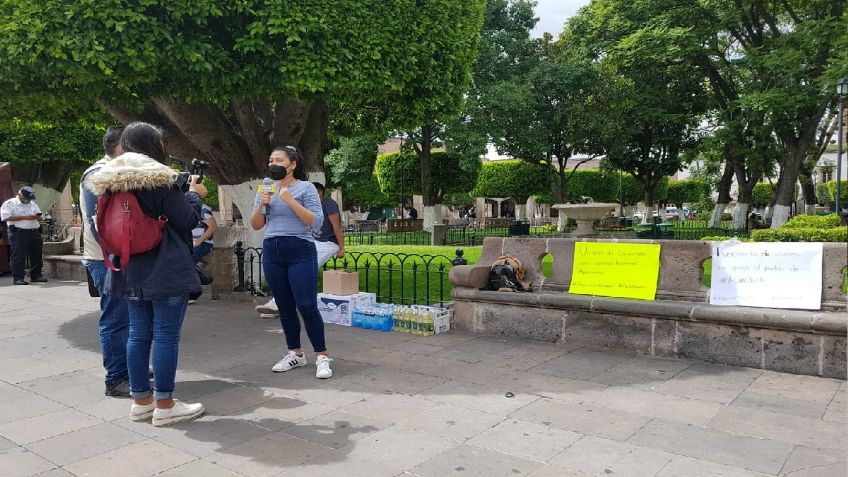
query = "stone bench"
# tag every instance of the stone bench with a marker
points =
(680, 323)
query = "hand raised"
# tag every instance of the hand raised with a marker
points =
(286, 195)
(265, 198)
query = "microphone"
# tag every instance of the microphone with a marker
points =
(267, 186)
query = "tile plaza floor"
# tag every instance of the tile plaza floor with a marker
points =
(399, 405)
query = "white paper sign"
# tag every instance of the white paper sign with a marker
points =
(763, 274)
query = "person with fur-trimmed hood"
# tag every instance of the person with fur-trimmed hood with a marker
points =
(157, 283)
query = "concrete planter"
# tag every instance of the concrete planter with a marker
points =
(65, 247)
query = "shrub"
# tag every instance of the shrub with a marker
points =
(813, 221)
(801, 234)
(843, 192)
(823, 195)
(762, 194)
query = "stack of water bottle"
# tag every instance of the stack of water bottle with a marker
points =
(415, 319)
(408, 319)
(377, 316)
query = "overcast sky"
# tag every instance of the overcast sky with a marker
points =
(553, 14)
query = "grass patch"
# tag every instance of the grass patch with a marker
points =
(408, 274)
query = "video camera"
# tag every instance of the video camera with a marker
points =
(198, 168)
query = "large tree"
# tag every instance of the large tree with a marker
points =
(771, 67)
(548, 116)
(228, 81)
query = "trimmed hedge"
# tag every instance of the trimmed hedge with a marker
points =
(603, 187)
(803, 221)
(516, 179)
(803, 234)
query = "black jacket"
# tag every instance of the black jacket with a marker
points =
(168, 270)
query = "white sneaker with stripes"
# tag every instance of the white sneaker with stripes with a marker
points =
(288, 362)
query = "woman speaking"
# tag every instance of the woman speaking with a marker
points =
(290, 215)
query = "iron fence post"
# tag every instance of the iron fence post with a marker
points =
(239, 251)
(459, 259)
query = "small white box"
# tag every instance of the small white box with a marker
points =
(337, 309)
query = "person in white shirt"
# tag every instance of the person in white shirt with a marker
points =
(22, 215)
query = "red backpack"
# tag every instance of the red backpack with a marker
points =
(124, 229)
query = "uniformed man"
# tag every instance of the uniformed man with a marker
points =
(22, 214)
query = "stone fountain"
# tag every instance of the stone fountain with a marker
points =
(585, 215)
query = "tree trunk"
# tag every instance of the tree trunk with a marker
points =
(432, 215)
(723, 196)
(785, 193)
(521, 208)
(743, 203)
(740, 215)
(809, 191)
(243, 196)
(428, 192)
(236, 141)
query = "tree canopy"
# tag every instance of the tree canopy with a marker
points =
(228, 81)
(47, 153)
(399, 173)
(516, 179)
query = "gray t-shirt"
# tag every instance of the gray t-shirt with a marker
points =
(330, 207)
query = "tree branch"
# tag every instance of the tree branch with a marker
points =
(211, 134)
(313, 140)
(251, 131)
(289, 122)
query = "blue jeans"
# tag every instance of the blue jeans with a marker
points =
(199, 252)
(114, 325)
(155, 322)
(291, 269)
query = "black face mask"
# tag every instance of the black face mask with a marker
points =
(276, 172)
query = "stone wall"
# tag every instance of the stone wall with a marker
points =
(678, 324)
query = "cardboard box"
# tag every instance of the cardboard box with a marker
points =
(337, 309)
(341, 282)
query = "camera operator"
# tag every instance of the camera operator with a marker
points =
(22, 214)
(204, 232)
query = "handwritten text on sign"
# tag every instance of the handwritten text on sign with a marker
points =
(772, 275)
(625, 270)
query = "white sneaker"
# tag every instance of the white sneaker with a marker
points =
(269, 308)
(268, 316)
(192, 302)
(289, 361)
(322, 365)
(142, 412)
(179, 412)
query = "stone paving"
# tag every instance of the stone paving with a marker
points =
(399, 405)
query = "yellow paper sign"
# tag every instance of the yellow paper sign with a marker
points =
(625, 270)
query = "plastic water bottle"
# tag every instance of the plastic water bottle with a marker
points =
(388, 313)
(367, 317)
(356, 318)
(428, 325)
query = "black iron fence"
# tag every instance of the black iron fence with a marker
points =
(368, 237)
(394, 277)
(473, 235)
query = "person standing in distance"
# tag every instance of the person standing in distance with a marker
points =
(22, 214)
(114, 317)
(328, 243)
(289, 258)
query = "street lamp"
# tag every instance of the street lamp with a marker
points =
(842, 91)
